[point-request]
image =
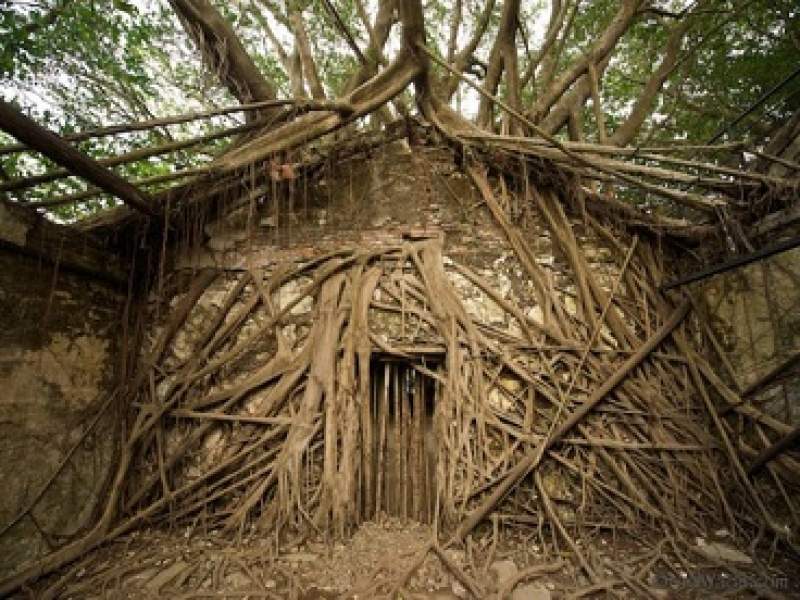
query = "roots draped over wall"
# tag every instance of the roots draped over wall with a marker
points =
(302, 428)
(258, 411)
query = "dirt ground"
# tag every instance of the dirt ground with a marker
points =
(385, 558)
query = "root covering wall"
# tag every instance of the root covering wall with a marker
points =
(59, 341)
(264, 334)
(399, 196)
(566, 394)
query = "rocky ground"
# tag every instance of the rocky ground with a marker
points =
(387, 558)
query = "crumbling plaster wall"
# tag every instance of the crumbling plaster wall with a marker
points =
(59, 342)
(754, 312)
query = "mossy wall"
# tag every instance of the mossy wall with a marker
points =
(59, 346)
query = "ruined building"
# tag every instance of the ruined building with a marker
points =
(376, 362)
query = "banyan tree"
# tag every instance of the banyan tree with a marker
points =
(512, 286)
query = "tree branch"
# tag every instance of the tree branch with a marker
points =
(464, 57)
(32, 134)
(602, 48)
(599, 117)
(365, 99)
(383, 24)
(455, 25)
(292, 63)
(222, 50)
(559, 115)
(503, 56)
(303, 46)
(549, 59)
(644, 103)
(374, 42)
(345, 31)
(558, 12)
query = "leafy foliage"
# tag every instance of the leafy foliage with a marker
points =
(78, 65)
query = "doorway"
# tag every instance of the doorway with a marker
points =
(401, 452)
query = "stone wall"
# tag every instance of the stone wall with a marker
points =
(59, 342)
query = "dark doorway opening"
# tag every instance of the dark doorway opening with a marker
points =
(399, 477)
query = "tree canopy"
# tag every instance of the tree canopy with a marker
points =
(622, 72)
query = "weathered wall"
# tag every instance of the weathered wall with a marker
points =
(59, 340)
(755, 313)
